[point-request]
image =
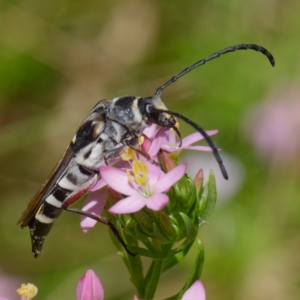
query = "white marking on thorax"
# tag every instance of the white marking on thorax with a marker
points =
(136, 112)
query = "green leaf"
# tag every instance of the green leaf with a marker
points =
(177, 257)
(208, 198)
(195, 274)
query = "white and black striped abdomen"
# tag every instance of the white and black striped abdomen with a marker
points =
(51, 207)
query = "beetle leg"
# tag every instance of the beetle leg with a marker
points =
(76, 195)
(113, 154)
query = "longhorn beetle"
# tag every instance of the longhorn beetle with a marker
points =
(111, 127)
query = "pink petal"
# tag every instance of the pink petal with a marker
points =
(147, 144)
(167, 148)
(198, 148)
(117, 179)
(172, 138)
(157, 201)
(166, 181)
(161, 137)
(154, 173)
(128, 205)
(150, 131)
(9, 285)
(195, 137)
(98, 185)
(89, 287)
(94, 204)
(155, 147)
(196, 291)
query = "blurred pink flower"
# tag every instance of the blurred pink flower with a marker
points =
(27, 291)
(8, 286)
(274, 127)
(195, 292)
(89, 287)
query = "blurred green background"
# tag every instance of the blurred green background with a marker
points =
(59, 57)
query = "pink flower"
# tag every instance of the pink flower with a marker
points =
(273, 126)
(89, 287)
(145, 186)
(26, 292)
(195, 292)
(166, 139)
(8, 285)
(94, 204)
(155, 140)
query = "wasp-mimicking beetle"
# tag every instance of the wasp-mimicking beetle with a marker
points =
(110, 127)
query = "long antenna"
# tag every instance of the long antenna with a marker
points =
(216, 55)
(204, 134)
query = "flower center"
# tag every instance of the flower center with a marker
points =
(140, 172)
(140, 176)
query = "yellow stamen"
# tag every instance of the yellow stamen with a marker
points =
(140, 172)
(27, 291)
(141, 140)
(129, 176)
(129, 154)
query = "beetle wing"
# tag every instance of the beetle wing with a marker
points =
(35, 202)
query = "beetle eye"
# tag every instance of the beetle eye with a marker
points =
(148, 107)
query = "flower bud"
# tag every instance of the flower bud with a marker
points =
(198, 180)
(89, 287)
(182, 195)
(167, 161)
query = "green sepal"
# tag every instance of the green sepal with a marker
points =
(191, 232)
(129, 232)
(145, 224)
(160, 235)
(167, 226)
(182, 195)
(175, 157)
(208, 197)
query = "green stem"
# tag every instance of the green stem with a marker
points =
(156, 268)
(135, 268)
